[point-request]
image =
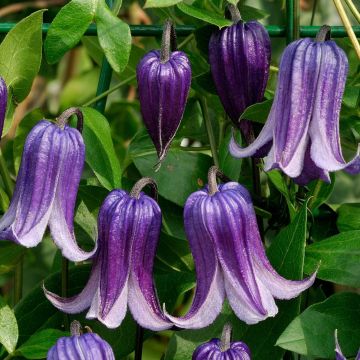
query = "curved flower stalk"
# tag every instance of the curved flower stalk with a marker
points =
(222, 349)
(79, 346)
(3, 103)
(239, 57)
(230, 259)
(129, 228)
(303, 124)
(164, 79)
(46, 187)
(338, 353)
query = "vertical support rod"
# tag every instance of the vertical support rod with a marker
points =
(292, 20)
(104, 79)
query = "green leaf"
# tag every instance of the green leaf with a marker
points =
(100, 153)
(67, 28)
(10, 254)
(204, 15)
(160, 3)
(114, 37)
(20, 59)
(251, 13)
(234, 2)
(257, 112)
(229, 165)
(338, 257)
(348, 217)
(38, 345)
(9, 332)
(312, 333)
(181, 173)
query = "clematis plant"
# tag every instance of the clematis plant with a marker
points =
(46, 187)
(338, 353)
(129, 227)
(229, 257)
(303, 124)
(239, 57)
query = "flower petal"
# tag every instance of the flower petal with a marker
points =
(3, 103)
(80, 302)
(62, 214)
(324, 129)
(279, 287)
(143, 301)
(209, 294)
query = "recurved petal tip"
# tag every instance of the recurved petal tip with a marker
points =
(3, 103)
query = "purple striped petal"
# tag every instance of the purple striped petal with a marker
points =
(239, 57)
(46, 189)
(143, 302)
(3, 103)
(324, 129)
(163, 90)
(209, 295)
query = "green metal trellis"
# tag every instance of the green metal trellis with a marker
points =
(290, 31)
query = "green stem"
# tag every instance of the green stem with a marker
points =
(313, 12)
(64, 286)
(4, 172)
(315, 194)
(18, 280)
(209, 129)
(111, 90)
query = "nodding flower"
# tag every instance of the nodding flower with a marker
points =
(229, 257)
(122, 273)
(46, 187)
(303, 125)
(239, 57)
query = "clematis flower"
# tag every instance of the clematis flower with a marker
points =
(3, 103)
(129, 228)
(46, 187)
(338, 352)
(303, 124)
(230, 259)
(222, 349)
(239, 57)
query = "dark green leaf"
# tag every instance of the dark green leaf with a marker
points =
(257, 112)
(114, 37)
(10, 254)
(67, 28)
(38, 345)
(348, 217)
(181, 173)
(312, 333)
(204, 15)
(20, 59)
(338, 257)
(251, 13)
(100, 153)
(160, 3)
(9, 332)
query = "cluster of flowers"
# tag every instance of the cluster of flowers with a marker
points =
(301, 137)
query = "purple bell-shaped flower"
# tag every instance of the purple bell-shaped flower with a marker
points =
(303, 124)
(222, 349)
(79, 346)
(122, 274)
(239, 57)
(46, 187)
(230, 259)
(3, 103)
(164, 79)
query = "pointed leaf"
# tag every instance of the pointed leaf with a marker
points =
(114, 37)
(160, 3)
(67, 28)
(9, 332)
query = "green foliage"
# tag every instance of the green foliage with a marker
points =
(9, 332)
(312, 332)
